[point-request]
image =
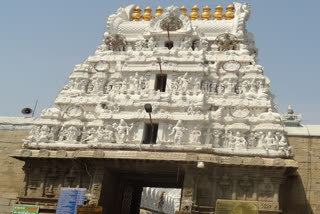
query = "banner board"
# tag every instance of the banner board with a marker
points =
(89, 210)
(25, 209)
(70, 199)
(236, 207)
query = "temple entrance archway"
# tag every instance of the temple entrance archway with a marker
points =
(123, 183)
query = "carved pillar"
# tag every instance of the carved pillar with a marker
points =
(96, 186)
(276, 188)
(61, 178)
(255, 189)
(234, 189)
(23, 190)
(195, 188)
(276, 192)
(187, 191)
(51, 180)
(43, 179)
(214, 190)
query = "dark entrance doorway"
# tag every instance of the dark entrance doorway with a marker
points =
(124, 181)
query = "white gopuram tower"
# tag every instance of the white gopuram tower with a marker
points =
(167, 101)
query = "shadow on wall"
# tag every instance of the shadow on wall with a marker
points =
(293, 197)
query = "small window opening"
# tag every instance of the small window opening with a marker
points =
(169, 44)
(150, 133)
(161, 82)
(195, 44)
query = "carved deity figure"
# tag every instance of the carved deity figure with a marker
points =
(80, 84)
(109, 134)
(72, 134)
(204, 44)
(108, 87)
(134, 82)
(216, 138)
(196, 134)
(270, 141)
(229, 86)
(283, 144)
(95, 86)
(263, 92)
(186, 44)
(151, 43)
(88, 134)
(220, 88)
(244, 87)
(43, 134)
(184, 82)
(181, 83)
(239, 141)
(252, 93)
(123, 130)
(260, 136)
(205, 85)
(62, 134)
(252, 141)
(178, 132)
(228, 139)
(142, 83)
(33, 134)
(100, 134)
(115, 108)
(53, 133)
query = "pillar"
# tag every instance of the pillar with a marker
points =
(95, 190)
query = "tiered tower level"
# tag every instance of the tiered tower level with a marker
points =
(207, 92)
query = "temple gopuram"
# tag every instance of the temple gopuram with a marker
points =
(170, 99)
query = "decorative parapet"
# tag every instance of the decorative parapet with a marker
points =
(234, 22)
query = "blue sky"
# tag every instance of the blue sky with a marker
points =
(41, 41)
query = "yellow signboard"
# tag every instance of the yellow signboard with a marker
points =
(236, 207)
(89, 210)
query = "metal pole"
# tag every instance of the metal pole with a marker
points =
(151, 128)
(34, 108)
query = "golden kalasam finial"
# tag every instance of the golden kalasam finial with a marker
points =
(206, 15)
(183, 9)
(218, 14)
(194, 15)
(147, 16)
(229, 13)
(159, 12)
(136, 15)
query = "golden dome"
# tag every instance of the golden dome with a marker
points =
(206, 15)
(136, 15)
(218, 14)
(183, 9)
(230, 12)
(194, 15)
(159, 12)
(147, 16)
